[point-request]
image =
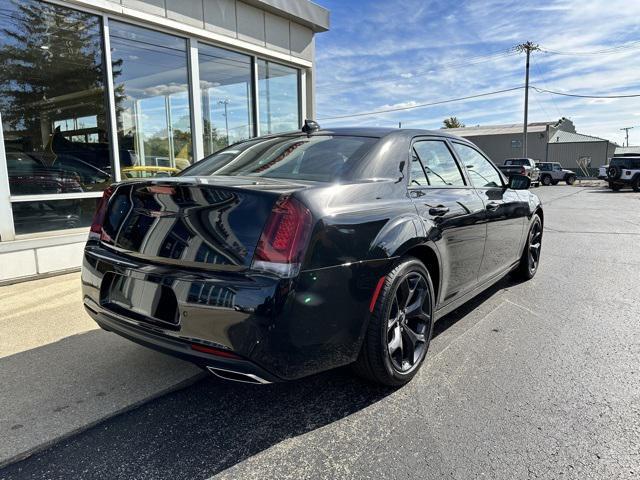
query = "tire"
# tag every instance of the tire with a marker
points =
(530, 258)
(390, 331)
(571, 179)
(546, 180)
(615, 186)
(636, 184)
(554, 182)
(614, 172)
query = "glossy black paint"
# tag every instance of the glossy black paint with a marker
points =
(195, 237)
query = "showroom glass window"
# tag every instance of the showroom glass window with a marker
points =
(225, 89)
(151, 86)
(279, 98)
(52, 102)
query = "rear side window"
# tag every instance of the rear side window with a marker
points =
(481, 172)
(440, 167)
(618, 162)
(322, 158)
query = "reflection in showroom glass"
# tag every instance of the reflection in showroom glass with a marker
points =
(151, 85)
(49, 215)
(52, 99)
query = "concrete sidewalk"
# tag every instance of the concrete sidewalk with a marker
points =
(60, 374)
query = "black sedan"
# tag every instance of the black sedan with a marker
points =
(287, 255)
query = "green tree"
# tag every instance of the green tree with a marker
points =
(50, 61)
(452, 122)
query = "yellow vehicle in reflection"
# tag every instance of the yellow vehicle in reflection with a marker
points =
(147, 171)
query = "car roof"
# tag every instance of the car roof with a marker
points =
(376, 132)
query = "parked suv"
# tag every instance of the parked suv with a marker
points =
(521, 166)
(624, 171)
(552, 172)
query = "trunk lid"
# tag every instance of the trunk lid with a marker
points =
(204, 222)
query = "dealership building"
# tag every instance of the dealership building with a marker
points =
(95, 91)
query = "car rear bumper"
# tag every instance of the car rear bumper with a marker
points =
(280, 329)
(178, 348)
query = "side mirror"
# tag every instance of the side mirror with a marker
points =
(519, 182)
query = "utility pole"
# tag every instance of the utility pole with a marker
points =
(225, 102)
(527, 47)
(626, 131)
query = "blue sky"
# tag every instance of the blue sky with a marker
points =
(384, 54)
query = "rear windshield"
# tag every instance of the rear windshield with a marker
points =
(625, 162)
(321, 158)
(517, 161)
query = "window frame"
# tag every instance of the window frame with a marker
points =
(505, 181)
(446, 141)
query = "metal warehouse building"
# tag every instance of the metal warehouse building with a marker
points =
(94, 91)
(546, 142)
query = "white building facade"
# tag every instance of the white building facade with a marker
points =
(95, 91)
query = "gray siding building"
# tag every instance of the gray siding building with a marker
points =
(546, 142)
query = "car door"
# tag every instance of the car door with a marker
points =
(504, 212)
(451, 212)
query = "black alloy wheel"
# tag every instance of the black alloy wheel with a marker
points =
(530, 259)
(571, 179)
(636, 184)
(400, 327)
(546, 180)
(534, 245)
(409, 322)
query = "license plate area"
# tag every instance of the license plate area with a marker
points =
(139, 299)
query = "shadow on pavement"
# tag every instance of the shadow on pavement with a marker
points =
(212, 425)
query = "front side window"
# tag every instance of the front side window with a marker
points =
(322, 158)
(279, 101)
(481, 171)
(225, 88)
(439, 165)
(151, 81)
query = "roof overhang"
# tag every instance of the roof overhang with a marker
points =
(300, 11)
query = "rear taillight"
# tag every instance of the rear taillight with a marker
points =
(284, 238)
(98, 219)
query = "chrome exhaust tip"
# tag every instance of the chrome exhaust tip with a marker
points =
(237, 376)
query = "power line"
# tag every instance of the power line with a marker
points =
(544, 83)
(626, 46)
(422, 105)
(544, 90)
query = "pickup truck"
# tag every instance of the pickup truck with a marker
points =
(522, 166)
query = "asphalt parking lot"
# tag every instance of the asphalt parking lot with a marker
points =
(532, 380)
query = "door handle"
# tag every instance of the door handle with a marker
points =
(438, 211)
(493, 206)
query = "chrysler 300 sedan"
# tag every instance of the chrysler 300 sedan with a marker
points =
(286, 255)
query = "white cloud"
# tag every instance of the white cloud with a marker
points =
(372, 61)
